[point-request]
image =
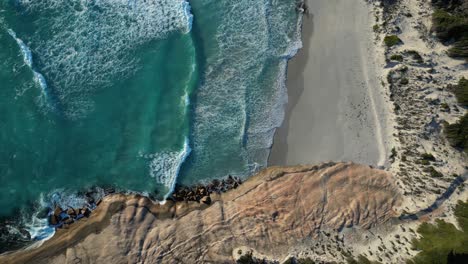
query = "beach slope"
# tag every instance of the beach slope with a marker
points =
(335, 109)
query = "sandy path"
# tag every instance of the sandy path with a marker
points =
(334, 100)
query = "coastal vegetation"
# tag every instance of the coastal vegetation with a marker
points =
(461, 91)
(441, 241)
(415, 55)
(392, 40)
(457, 133)
(396, 57)
(450, 23)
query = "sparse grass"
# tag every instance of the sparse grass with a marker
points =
(461, 92)
(457, 134)
(360, 260)
(459, 49)
(249, 259)
(393, 154)
(396, 57)
(445, 106)
(299, 261)
(392, 40)
(376, 28)
(440, 239)
(452, 26)
(428, 157)
(433, 172)
(449, 26)
(415, 55)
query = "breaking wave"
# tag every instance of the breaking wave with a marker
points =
(241, 101)
(93, 41)
(28, 60)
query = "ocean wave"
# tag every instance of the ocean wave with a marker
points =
(242, 99)
(92, 42)
(165, 166)
(28, 60)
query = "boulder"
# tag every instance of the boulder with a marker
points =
(53, 220)
(206, 200)
(57, 211)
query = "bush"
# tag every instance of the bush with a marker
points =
(404, 81)
(299, 261)
(376, 28)
(428, 157)
(452, 26)
(459, 49)
(433, 172)
(441, 240)
(415, 55)
(461, 92)
(457, 134)
(396, 57)
(392, 40)
(448, 26)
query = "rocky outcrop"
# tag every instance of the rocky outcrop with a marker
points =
(271, 213)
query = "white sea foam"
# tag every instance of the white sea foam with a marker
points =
(85, 45)
(39, 228)
(28, 60)
(242, 99)
(165, 166)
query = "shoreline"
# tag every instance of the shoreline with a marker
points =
(327, 80)
(240, 217)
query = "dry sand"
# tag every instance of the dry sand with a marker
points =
(335, 109)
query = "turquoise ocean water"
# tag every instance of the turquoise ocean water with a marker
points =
(137, 94)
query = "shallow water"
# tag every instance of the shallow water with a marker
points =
(137, 94)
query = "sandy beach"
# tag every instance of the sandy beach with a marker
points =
(335, 109)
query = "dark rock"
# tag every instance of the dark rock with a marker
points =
(206, 200)
(71, 212)
(57, 211)
(53, 219)
(86, 212)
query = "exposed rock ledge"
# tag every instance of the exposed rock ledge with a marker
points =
(271, 212)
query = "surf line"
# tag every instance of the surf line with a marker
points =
(27, 57)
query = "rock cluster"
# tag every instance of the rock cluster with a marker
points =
(201, 193)
(62, 218)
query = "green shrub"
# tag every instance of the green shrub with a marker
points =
(461, 92)
(449, 26)
(459, 49)
(404, 81)
(428, 157)
(433, 172)
(392, 40)
(450, 22)
(415, 55)
(396, 57)
(444, 106)
(360, 260)
(440, 239)
(299, 261)
(457, 134)
(425, 162)
(376, 28)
